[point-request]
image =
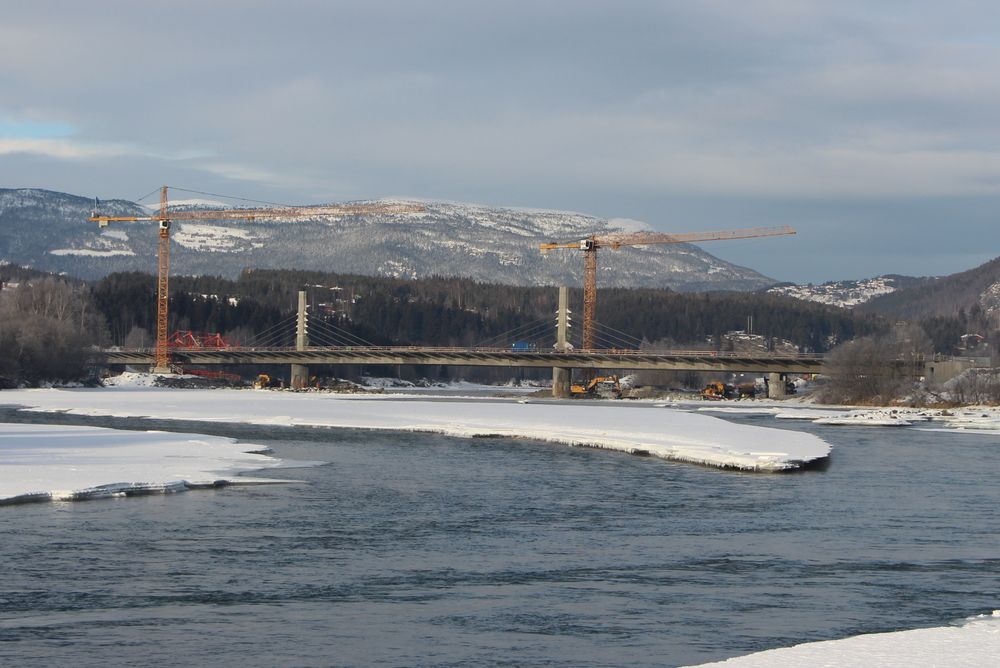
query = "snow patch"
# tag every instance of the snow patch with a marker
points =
(845, 294)
(117, 235)
(629, 225)
(215, 238)
(90, 252)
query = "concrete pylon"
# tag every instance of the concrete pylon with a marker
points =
(776, 386)
(300, 372)
(561, 375)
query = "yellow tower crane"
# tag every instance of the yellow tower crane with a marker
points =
(590, 245)
(164, 217)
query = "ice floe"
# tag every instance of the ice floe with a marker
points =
(669, 434)
(57, 462)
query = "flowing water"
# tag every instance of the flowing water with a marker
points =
(421, 550)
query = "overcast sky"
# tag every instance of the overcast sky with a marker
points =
(871, 127)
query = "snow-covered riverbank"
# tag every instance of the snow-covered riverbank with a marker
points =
(968, 644)
(981, 418)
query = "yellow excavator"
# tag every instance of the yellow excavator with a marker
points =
(265, 382)
(603, 386)
(717, 391)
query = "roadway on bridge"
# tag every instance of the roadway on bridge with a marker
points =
(422, 356)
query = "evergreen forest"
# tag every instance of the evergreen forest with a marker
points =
(259, 306)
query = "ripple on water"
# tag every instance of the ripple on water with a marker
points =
(410, 549)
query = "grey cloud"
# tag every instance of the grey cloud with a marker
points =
(833, 111)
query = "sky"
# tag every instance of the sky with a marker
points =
(871, 127)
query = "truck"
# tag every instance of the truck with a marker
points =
(523, 347)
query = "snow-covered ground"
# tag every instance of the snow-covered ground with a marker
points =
(449, 388)
(980, 418)
(57, 462)
(669, 434)
(969, 644)
(130, 379)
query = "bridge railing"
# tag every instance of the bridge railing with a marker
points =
(614, 352)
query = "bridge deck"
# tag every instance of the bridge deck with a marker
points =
(593, 359)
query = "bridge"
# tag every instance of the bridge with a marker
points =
(776, 365)
(340, 348)
(631, 360)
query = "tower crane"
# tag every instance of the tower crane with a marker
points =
(590, 245)
(164, 217)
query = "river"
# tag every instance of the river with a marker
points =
(422, 550)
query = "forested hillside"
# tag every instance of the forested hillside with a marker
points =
(944, 296)
(949, 307)
(459, 312)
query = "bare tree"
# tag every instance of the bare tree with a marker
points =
(49, 331)
(879, 369)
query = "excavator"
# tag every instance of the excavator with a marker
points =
(602, 386)
(266, 382)
(717, 391)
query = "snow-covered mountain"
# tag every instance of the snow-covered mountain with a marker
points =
(49, 231)
(846, 294)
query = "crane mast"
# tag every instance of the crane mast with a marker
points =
(590, 245)
(162, 363)
(164, 217)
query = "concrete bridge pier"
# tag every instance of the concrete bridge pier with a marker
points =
(776, 385)
(300, 372)
(560, 382)
(561, 375)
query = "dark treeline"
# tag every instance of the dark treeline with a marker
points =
(458, 312)
(49, 325)
(50, 329)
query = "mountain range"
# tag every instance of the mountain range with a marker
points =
(49, 231)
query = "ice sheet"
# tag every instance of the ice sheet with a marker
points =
(665, 433)
(56, 462)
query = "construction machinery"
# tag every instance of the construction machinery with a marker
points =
(265, 381)
(590, 245)
(717, 390)
(603, 386)
(165, 217)
(195, 341)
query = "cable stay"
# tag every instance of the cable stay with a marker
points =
(513, 334)
(331, 331)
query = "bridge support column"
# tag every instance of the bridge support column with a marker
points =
(561, 375)
(300, 372)
(776, 386)
(560, 382)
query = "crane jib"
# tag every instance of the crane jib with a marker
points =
(165, 216)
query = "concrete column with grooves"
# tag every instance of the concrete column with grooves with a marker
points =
(300, 372)
(561, 375)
